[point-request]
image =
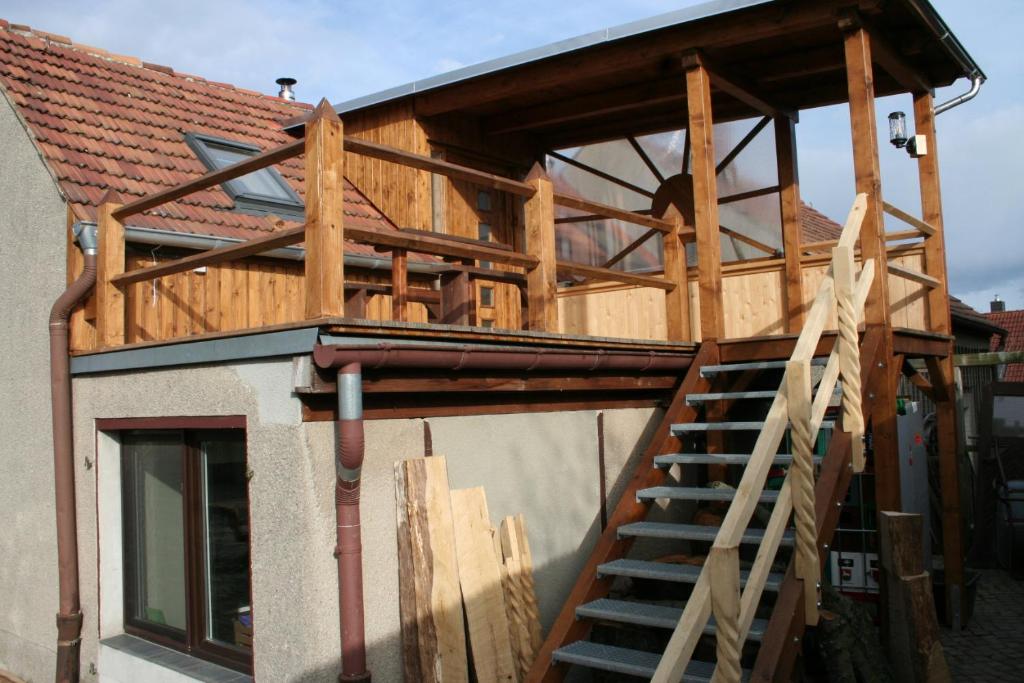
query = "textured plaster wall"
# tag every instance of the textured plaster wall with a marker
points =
(32, 238)
(543, 464)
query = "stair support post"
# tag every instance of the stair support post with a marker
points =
(724, 568)
(849, 351)
(798, 397)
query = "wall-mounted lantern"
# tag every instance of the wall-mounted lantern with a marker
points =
(916, 146)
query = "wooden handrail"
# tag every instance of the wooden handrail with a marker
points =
(579, 203)
(210, 257)
(913, 275)
(698, 607)
(375, 150)
(437, 245)
(244, 167)
(597, 273)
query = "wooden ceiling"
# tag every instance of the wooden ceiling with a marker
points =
(788, 54)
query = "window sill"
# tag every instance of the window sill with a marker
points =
(125, 659)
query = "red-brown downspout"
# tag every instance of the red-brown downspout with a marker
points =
(349, 550)
(69, 616)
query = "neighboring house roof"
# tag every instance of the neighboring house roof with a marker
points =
(816, 226)
(1013, 323)
(102, 121)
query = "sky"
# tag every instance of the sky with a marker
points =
(344, 49)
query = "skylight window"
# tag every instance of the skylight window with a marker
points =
(263, 191)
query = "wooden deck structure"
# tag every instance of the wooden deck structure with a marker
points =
(443, 161)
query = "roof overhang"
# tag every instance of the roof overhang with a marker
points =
(598, 85)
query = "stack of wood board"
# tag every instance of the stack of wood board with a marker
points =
(454, 563)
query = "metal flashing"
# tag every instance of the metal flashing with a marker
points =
(247, 347)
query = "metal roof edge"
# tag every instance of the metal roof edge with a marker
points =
(245, 347)
(931, 17)
(628, 30)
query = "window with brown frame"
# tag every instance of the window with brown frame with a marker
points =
(186, 542)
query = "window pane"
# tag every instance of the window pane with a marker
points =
(487, 296)
(154, 529)
(258, 182)
(226, 542)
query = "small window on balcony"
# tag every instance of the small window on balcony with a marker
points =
(487, 296)
(483, 200)
(263, 191)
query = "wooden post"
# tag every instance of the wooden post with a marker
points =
(539, 225)
(724, 570)
(849, 351)
(355, 303)
(798, 400)
(789, 208)
(705, 198)
(325, 211)
(399, 285)
(677, 301)
(857, 45)
(458, 305)
(110, 262)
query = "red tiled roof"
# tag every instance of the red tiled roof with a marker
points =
(816, 226)
(102, 121)
(1013, 323)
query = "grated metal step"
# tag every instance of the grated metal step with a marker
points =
(689, 427)
(656, 616)
(625, 661)
(690, 532)
(665, 571)
(708, 370)
(669, 459)
(691, 399)
(695, 493)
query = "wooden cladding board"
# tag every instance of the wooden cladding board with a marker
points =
(753, 303)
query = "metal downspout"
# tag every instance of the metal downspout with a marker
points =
(349, 550)
(976, 82)
(69, 616)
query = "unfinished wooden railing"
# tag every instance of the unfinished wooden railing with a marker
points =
(325, 231)
(718, 589)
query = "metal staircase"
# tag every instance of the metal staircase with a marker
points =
(735, 588)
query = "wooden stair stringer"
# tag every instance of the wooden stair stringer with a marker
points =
(566, 627)
(783, 639)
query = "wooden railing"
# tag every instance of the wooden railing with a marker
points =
(718, 589)
(324, 232)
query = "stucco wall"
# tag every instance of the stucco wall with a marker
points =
(542, 464)
(32, 238)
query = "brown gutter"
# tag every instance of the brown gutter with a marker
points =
(467, 357)
(69, 616)
(349, 549)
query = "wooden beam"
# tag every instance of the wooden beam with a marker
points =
(207, 180)
(325, 212)
(789, 210)
(885, 54)
(749, 194)
(640, 150)
(539, 238)
(399, 285)
(630, 248)
(923, 228)
(973, 360)
(375, 150)
(742, 145)
(917, 379)
(735, 86)
(232, 252)
(601, 174)
(591, 217)
(761, 246)
(939, 319)
(458, 305)
(580, 204)
(677, 300)
(438, 245)
(705, 201)
(566, 269)
(110, 262)
(913, 275)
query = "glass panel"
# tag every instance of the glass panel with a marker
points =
(487, 296)
(483, 200)
(258, 182)
(226, 541)
(154, 530)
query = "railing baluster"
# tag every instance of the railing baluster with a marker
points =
(724, 564)
(542, 279)
(849, 351)
(110, 306)
(798, 394)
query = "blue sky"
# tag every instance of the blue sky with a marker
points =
(344, 49)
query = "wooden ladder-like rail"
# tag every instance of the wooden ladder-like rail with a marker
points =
(718, 590)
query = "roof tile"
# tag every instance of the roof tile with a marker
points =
(105, 121)
(1013, 323)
